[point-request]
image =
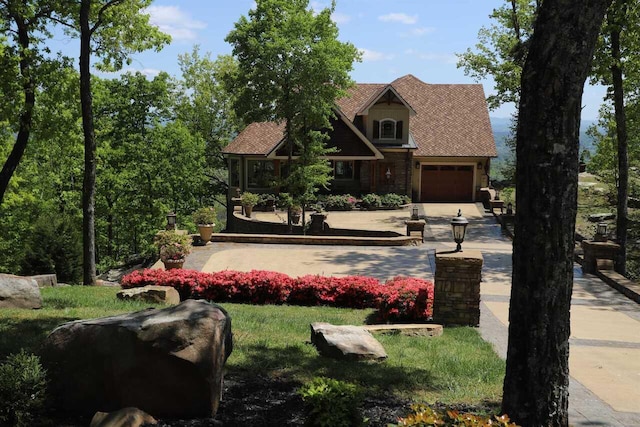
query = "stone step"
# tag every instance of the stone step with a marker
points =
(410, 329)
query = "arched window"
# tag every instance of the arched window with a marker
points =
(387, 129)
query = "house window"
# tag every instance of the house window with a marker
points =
(343, 169)
(234, 172)
(388, 129)
(260, 174)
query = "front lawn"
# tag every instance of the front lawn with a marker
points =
(273, 341)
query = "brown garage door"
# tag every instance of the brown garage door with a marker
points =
(446, 183)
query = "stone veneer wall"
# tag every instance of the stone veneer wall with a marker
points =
(400, 165)
(457, 288)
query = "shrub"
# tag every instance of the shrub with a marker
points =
(250, 199)
(205, 216)
(172, 245)
(331, 403)
(22, 390)
(423, 416)
(343, 202)
(406, 299)
(392, 200)
(399, 299)
(371, 201)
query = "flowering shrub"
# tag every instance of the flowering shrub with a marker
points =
(399, 299)
(340, 202)
(423, 416)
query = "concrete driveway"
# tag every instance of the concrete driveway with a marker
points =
(605, 338)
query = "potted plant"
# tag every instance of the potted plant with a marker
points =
(173, 248)
(296, 212)
(204, 219)
(249, 200)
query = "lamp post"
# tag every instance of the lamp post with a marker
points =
(171, 221)
(459, 228)
(510, 208)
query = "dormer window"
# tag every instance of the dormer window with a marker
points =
(388, 129)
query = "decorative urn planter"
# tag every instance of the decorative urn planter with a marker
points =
(248, 210)
(205, 230)
(170, 264)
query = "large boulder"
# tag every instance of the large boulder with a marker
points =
(126, 417)
(346, 342)
(19, 292)
(152, 294)
(166, 362)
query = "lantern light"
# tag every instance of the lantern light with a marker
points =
(459, 228)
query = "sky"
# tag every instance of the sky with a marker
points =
(396, 37)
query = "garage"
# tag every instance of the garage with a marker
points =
(446, 183)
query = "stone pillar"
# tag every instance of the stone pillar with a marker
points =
(593, 251)
(457, 288)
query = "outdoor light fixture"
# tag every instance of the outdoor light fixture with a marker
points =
(510, 208)
(414, 212)
(459, 228)
(601, 232)
(388, 174)
(171, 221)
(479, 165)
(497, 197)
(417, 165)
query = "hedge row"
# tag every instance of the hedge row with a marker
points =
(399, 299)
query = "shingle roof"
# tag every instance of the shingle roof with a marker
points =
(451, 120)
(257, 138)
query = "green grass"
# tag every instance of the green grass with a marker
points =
(458, 367)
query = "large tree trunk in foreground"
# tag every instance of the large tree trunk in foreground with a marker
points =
(89, 183)
(559, 59)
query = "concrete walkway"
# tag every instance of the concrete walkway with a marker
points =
(605, 339)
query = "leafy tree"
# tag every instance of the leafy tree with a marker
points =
(291, 69)
(558, 62)
(619, 42)
(24, 21)
(205, 106)
(111, 30)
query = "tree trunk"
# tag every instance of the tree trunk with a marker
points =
(26, 116)
(616, 19)
(559, 59)
(89, 183)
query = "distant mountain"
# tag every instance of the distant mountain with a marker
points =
(502, 129)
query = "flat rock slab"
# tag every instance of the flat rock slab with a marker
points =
(126, 417)
(151, 294)
(44, 280)
(346, 342)
(412, 329)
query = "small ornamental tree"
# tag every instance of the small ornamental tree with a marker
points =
(291, 69)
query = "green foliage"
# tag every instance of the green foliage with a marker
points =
(173, 245)
(291, 69)
(331, 403)
(424, 416)
(205, 215)
(393, 200)
(23, 386)
(371, 201)
(250, 199)
(54, 246)
(338, 202)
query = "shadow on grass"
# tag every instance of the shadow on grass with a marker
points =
(27, 334)
(298, 362)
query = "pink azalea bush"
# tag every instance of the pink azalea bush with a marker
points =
(399, 299)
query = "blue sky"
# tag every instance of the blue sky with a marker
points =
(397, 37)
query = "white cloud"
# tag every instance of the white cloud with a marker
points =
(372, 55)
(421, 31)
(173, 21)
(340, 18)
(403, 18)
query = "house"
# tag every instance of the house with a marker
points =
(431, 141)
